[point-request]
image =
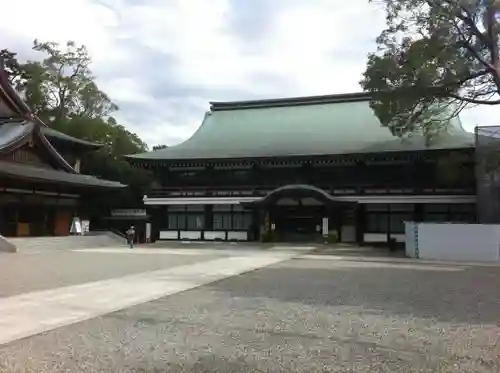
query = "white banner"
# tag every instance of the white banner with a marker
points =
(325, 226)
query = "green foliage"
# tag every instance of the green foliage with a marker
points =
(11, 66)
(62, 91)
(434, 58)
(333, 237)
(61, 85)
(267, 235)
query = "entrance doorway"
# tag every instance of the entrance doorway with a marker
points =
(297, 223)
(297, 212)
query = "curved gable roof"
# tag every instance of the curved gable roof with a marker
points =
(18, 125)
(13, 108)
(12, 104)
(17, 113)
(56, 135)
(318, 125)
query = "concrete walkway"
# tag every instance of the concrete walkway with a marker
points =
(32, 313)
(179, 249)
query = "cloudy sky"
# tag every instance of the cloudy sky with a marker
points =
(163, 60)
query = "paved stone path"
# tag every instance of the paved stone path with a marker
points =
(27, 272)
(311, 313)
(33, 313)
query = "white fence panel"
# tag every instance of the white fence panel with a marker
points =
(214, 235)
(458, 242)
(238, 236)
(169, 235)
(190, 235)
(411, 235)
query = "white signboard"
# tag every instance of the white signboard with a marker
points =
(128, 212)
(148, 232)
(76, 226)
(85, 226)
(325, 227)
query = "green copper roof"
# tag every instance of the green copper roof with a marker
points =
(319, 125)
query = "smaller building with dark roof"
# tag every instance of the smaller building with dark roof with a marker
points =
(298, 168)
(40, 190)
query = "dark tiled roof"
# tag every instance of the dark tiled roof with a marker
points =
(20, 170)
(13, 107)
(18, 125)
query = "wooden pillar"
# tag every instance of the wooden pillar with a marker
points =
(208, 217)
(418, 212)
(156, 216)
(360, 222)
(264, 226)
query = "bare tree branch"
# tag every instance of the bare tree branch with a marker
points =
(474, 101)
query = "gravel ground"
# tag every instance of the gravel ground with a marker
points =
(298, 316)
(26, 272)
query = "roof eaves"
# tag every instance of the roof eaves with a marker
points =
(49, 175)
(146, 157)
(53, 134)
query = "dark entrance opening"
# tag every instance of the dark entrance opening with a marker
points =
(294, 213)
(297, 222)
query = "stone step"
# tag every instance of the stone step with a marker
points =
(66, 243)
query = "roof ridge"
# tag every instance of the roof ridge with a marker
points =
(290, 101)
(17, 104)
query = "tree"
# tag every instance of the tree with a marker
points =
(61, 86)
(435, 58)
(61, 89)
(12, 67)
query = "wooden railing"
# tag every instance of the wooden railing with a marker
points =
(262, 190)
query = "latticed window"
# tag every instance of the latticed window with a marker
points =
(177, 221)
(195, 221)
(227, 217)
(222, 221)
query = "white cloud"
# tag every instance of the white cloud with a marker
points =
(84, 21)
(310, 47)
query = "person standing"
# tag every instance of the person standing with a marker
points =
(131, 236)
